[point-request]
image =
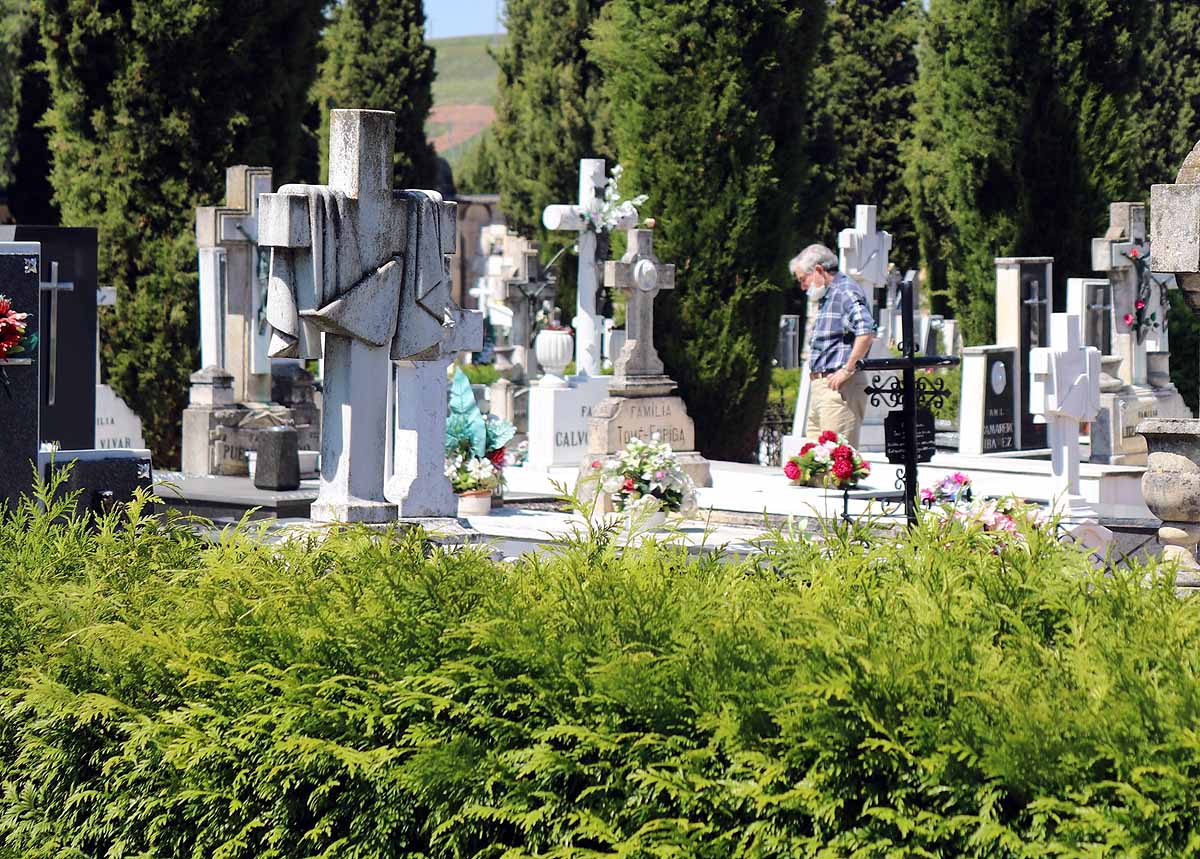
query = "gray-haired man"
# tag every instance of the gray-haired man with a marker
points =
(841, 336)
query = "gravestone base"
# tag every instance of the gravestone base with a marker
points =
(558, 420)
(353, 511)
(216, 439)
(617, 420)
(1114, 436)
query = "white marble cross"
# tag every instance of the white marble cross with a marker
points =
(641, 276)
(589, 327)
(863, 252)
(233, 330)
(365, 267)
(1064, 383)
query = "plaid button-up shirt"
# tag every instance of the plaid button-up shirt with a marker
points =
(842, 315)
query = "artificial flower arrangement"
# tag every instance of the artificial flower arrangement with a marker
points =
(475, 446)
(646, 477)
(951, 489)
(830, 461)
(606, 213)
(1141, 322)
(13, 339)
(1001, 522)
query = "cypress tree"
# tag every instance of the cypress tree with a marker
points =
(24, 98)
(377, 59)
(1023, 135)
(860, 113)
(1168, 105)
(710, 126)
(151, 100)
(550, 113)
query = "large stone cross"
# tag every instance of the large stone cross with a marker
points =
(863, 252)
(1112, 254)
(233, 330)
(363, 268)
(641, 276)
(589, 327)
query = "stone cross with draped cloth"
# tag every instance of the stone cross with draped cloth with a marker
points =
(348, 262)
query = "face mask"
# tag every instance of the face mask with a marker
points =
(816, 293)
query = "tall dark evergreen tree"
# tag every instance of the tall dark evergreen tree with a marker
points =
(860, 113)
(151, 100)
(1168, 103)
(24, 98)
(1023, 135)
(550, 113)
(377, 59)
(710, 126)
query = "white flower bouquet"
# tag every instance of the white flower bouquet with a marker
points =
(646, 477)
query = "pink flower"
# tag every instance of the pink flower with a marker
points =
(595, 463)
(1134, 253)
(791, 470)
(959, 477)
(1127, 319)
(1139, 304)
(927, 495)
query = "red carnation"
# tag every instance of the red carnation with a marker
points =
(843, 469)
(628, 487)
(807, 447)
(1127, 319)
(842, 451)
(1134, 253)
(497, 457)
(828, 435)
(791, 470)
(1139, 304)
(864, 467)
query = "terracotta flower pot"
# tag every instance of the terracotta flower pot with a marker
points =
(475, 503)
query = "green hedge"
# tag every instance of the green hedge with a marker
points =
(363, 697)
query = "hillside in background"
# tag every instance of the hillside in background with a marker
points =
(464, 93)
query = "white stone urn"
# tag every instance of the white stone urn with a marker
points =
(1171, 489)
(554, 348)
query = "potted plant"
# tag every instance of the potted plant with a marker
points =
(829, 461)
(475, 449)
(646, 481)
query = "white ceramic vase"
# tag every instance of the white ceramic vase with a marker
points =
(554, 348)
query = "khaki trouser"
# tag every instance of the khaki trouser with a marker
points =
(841, 411)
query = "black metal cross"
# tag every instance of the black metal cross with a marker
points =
(908, 393)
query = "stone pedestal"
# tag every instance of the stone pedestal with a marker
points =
(617, 420)
(559, 411)
(1114, 435)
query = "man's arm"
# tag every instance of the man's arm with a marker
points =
(862, 345)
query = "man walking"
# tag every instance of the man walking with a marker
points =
(841, 336)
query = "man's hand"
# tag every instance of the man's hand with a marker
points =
(839, 378)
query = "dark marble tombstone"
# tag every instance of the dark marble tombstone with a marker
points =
(67, 348)
(999, 404)
(1035, 310)
(19, 374)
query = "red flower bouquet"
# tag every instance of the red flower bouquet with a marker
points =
(828, 461)
(13, 340)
